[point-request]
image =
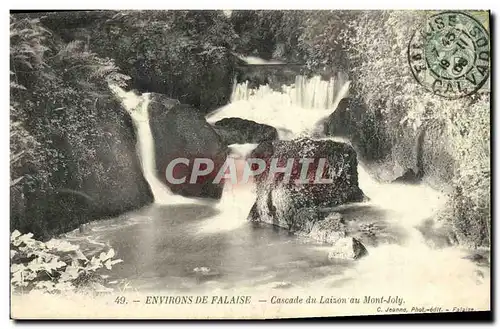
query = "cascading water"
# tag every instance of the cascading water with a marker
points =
(240, 257)
(237, 197)
(294, 111)
(408, 266)
(312, 93)
(137, 107)
(284, 110)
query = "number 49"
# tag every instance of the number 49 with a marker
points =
(120, 300)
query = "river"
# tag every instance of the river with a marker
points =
(185, 245)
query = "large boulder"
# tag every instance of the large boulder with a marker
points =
(281, 202)
(241, 131)
(181, 131)
(117, 183)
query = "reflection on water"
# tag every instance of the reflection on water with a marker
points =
(167, 253)
(177, 248)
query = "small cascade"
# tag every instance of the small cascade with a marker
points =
(137, 107)
(237, 198)
(294, 112)
(390, 269)
(145, 145)
(306, 93)
(296, 109)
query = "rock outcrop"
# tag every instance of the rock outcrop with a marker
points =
(180, 131)
(241, 131)
(392, 150)
(293, 205)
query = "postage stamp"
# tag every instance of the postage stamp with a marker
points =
(450, 54)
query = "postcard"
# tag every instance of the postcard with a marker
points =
(249, 164)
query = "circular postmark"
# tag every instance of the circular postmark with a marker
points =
(450, 54)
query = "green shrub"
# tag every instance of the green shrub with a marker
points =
(56, 90)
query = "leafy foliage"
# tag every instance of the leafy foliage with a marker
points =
(470, 202)
(182, 54)
(389, 109)
(55, 266)
(63, 120)
(52, 86)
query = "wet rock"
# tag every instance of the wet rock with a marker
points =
(409, 177)
(241, 131)
(304, 220)
(477, 258)
(364, 128)
(281, 202)
(348, 248)
(253, 215)
(180, 131)
(393, 151)
(330, 230)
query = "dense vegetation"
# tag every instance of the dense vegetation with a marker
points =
(396, 110)
(182, 54)
(56, 266)
(376, 46)
(72, 144)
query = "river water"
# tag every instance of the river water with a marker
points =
(185, 245)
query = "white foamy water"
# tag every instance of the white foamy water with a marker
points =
(252, 60)
(294, 112)
(412, 268)
(430, 276)
(137, 107)
(237, 199)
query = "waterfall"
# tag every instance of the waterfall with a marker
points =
(146, 148)
(440, 274)
(306, 93)
(237, 198)
(294, 111)
(137, 107)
